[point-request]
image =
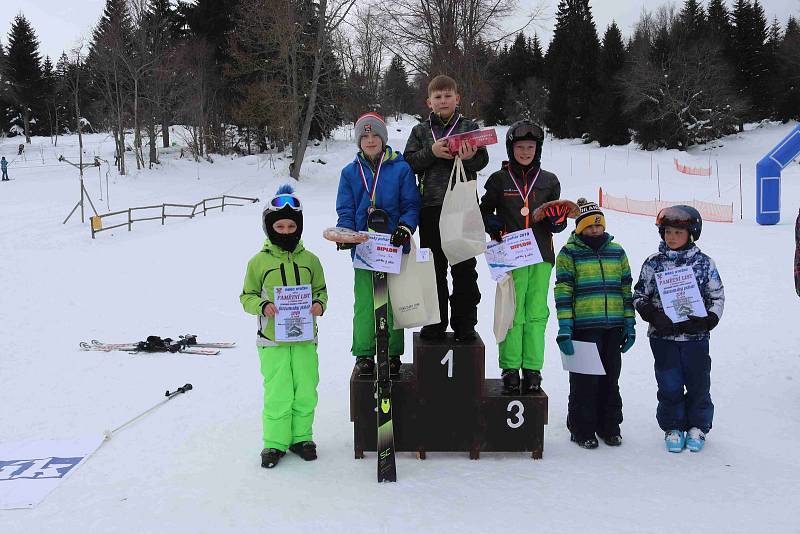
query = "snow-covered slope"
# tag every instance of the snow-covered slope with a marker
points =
(193, 465)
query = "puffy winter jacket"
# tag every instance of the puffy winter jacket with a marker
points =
(396, 193)
(503, 198)
(274, 266)
(708, 281)
(797, 255)
(433, 172)
(593, 289)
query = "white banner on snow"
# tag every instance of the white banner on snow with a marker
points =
(30, 470)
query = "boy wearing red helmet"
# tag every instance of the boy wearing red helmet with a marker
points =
(682, 361)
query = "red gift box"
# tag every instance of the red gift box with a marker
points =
(477, 138)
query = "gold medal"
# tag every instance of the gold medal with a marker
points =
(524, 211)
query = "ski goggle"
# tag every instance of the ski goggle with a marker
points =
(280, 201)
(526, 131)
(675, 216)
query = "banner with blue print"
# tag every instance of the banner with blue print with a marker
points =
(30, 470)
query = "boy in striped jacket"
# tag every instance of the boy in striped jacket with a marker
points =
(594, 304)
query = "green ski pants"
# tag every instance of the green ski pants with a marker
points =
(364, 319)
(523, 346)
(291, 375)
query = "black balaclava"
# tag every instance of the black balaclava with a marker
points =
(287, 242)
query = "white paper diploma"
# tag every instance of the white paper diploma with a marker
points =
(585, 361)
(518, 249)
(294, 321)
(377, 254)
(680, 295)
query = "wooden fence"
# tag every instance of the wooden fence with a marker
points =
(204, 206)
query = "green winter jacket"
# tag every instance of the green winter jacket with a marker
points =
(593, 289)
(272, 267)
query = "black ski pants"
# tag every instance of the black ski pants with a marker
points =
(466, 295)
(595, 404)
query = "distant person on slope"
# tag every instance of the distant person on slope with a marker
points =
(680, 349)
(290, 368)
(378, 178)
(4, 168)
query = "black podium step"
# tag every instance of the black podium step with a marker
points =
(443, 402)
(511, 423)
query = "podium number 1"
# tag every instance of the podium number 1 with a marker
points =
(518, 423)
(448, 359)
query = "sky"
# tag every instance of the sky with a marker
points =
(60, 24)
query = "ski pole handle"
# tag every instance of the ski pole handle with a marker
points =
(182, 389)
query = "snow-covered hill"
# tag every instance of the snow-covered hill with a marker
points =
(193, 466)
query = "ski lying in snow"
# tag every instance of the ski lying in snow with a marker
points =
(387, 471)
(137, 347)
(191, 341)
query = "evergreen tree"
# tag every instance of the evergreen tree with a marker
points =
(23, 71)
(572, 66)
(396, 90)
(787, 105)
(692, 19)
(609, 124)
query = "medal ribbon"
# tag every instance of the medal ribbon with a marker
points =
(453, 127)
(376, 175)
(527, 190)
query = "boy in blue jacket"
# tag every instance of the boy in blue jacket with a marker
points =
(682, 360)
(378, 178)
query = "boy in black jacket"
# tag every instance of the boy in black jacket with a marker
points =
(427, 153)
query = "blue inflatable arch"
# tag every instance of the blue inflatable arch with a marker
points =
(768, 177)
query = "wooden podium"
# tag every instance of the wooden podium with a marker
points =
(443, 402)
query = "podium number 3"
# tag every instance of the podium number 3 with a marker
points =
(448, 360)
(518, 423)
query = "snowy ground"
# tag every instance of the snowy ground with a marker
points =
(193, 466)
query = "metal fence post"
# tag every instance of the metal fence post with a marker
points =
(130, 222)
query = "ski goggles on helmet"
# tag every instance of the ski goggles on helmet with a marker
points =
(676, 216)
(526, 131)
(286, 199)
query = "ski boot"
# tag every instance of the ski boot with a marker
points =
(465, 335)
(674, 440)
(510, 381)
(613, 440)
(587, 443)
(307, 450)
(432, 332)
(394, 366)
(365, 365)
(271, 457)
(695, 439)
(531, 381)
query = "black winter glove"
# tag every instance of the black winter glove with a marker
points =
(698, 325)
(659, 320)
(345, 246)
(557, 217)
(400, 237)
(494, 226)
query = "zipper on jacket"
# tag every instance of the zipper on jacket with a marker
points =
(603, 274)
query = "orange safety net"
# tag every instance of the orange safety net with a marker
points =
(708, 210)
(695, 171)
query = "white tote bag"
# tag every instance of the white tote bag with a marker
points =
(461, 224)
(413, 292)
(505, 306)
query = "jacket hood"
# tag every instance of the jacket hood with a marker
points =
(390, 156)
(578, 242)
(275, 250)
(678, 254)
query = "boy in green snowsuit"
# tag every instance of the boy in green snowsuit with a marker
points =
(512, 193)
(290, 369)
